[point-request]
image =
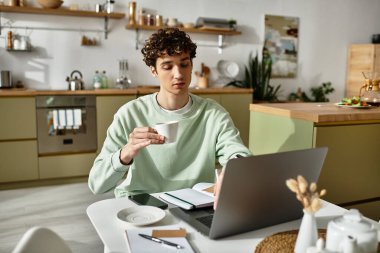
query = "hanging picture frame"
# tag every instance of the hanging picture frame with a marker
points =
(281, 42)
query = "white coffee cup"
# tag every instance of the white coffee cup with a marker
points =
(168, 129)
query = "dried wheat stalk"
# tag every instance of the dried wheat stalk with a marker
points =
(307, 195)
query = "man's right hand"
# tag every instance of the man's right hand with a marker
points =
(218, 184)
(141, 137)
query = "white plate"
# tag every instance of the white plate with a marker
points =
(353, 106)
(228, 68)
(141, 215)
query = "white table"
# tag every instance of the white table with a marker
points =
(111, 231)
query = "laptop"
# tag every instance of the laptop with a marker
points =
(254, 195)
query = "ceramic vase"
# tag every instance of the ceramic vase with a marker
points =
(308, 233)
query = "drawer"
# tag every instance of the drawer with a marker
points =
(66, 165)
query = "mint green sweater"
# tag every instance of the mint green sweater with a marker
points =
(206, 133)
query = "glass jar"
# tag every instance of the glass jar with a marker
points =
(371, 94)
(142, 17)
(109, 6)
(159, 20)
(149, 20)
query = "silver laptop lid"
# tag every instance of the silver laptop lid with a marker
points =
(254, 194)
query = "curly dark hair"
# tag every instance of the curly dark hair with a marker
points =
(168, 41)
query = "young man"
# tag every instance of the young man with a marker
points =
(205, 131)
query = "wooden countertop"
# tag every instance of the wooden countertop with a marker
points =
(114, 92)
(322, 113)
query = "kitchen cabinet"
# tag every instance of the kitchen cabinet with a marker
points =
(18, 118)
(18, 139)
(18, 131)
(361, 58)
(60, 12)
(238, 107)
(351, 172)
(73, 165)
(18, 161)
(106, 107)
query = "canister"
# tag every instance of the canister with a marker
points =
(5, 79)
(159, 20)
(132, 13)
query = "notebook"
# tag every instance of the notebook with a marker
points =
(254, 195)
(172, 234)
(200, 195)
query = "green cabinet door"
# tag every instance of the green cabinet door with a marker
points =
(18, 118)
(106, 107)
(271, 133)
(18, 161)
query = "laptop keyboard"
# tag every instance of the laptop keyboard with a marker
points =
(206, 220)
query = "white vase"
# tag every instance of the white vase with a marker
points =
(308, 233)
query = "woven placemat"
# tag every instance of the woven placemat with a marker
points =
(282, 242)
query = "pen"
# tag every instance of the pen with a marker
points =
(158, 240)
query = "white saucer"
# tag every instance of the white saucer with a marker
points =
(141, 215)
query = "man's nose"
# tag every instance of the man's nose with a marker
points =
(177, 73)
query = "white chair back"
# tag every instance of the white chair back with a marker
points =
(41, 240)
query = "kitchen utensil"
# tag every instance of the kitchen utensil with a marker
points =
(371, 87)
(123, 81)
(351, 231)
(75, 80)
(6, 79)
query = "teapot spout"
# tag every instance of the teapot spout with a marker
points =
(350, 245)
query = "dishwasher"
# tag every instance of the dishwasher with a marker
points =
(66, 124)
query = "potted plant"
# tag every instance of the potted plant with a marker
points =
(319, 94)
(257, 76)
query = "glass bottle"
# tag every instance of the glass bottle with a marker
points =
(97, 80)
(104, 80)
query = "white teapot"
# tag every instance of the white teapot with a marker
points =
(350, 233)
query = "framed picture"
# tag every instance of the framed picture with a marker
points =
(281, 42)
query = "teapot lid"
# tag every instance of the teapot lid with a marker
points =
(353, 220)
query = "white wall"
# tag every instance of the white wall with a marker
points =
(327, 28)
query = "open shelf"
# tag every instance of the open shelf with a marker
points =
(62, 11)
(216, 31)
(220, 32)
(19, 50)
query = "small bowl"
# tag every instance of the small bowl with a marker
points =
(188, 25)
(50, 4)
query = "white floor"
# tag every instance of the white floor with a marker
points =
(61, 208)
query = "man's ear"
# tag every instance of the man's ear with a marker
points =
(153, 71)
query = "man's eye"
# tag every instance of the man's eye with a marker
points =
(166, 67)
(185, 65)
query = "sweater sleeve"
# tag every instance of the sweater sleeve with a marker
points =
(229, 143)
(107, 169)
